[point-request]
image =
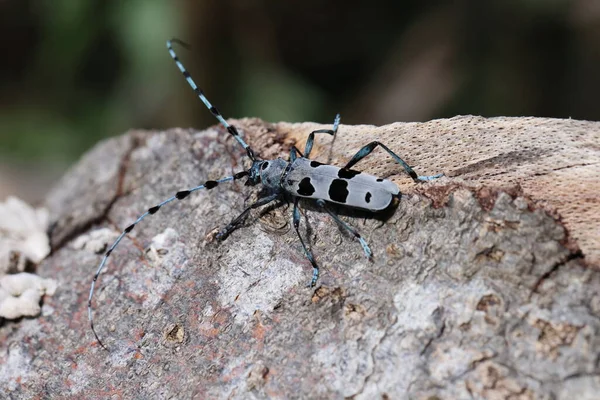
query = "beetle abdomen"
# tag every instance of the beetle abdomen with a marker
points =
(314, 180)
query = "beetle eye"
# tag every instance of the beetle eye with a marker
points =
(264, 166)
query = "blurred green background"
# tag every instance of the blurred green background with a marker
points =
(77, 71)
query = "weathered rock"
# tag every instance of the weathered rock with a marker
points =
(484, 283)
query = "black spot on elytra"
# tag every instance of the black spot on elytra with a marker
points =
(315, 164)
(347, 173)
(338, 190)
(368, 197)
(305, 188)
(379, 180)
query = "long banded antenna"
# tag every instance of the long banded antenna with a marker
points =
(214, 111)
(151, 211)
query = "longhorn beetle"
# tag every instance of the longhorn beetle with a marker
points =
(297, 178)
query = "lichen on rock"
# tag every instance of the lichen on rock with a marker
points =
(20, 294)
(23, 240)
(22, 235)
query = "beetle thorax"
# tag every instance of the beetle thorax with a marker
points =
(271, 172)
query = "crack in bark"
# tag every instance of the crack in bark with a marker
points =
(373, 351)
(472, 366)
(576, 375)
(86, 225)
(439, 334)
(505, 159)
(572, 256)
(565, 167)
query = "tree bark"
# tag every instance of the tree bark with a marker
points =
(484, 283)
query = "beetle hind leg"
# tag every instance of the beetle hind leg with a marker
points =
(366, 150)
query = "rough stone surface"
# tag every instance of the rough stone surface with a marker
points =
(484, 284)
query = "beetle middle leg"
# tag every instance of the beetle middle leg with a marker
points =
(322, 204)
(311, 137)
(307, 252)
